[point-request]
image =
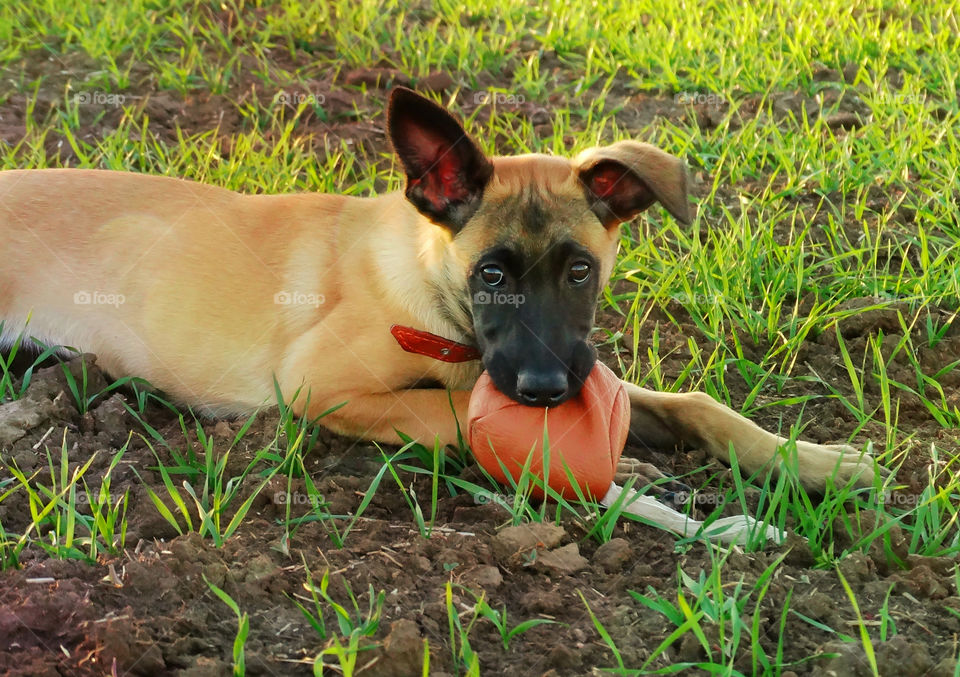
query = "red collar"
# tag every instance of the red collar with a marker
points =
(439, 348)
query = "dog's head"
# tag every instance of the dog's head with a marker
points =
(537, 236)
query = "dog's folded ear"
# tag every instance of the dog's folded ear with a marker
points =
(623, 179)
(446, 172)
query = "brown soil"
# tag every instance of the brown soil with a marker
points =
(150, 610)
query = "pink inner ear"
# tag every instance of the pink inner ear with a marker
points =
(604, 181)
(441, 182)
(448, 171)
(435, 155)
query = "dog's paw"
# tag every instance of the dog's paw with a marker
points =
(648, 475)
(848, 466)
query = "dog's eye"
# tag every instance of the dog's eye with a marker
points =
(492, 275)
(579, 272)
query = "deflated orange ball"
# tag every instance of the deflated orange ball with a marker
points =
(586, 433)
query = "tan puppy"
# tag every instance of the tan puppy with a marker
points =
(210, 294)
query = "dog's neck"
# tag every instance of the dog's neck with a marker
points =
(414, 255)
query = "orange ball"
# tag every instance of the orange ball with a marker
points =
(587, 433)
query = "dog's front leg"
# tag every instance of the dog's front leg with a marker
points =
(422, 414)
(665, 420)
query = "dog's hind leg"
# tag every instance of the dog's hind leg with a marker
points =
(664, 420)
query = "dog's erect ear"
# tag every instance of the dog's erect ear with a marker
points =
(446, 172)
(624, 178)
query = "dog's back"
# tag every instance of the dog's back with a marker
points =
(163, 278)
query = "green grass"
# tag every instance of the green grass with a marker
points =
(708, 604)
(465, 659)
(69, 518)
(243, 629)
(213, 509)
(722, 611)
(19, 343)
(355, 626)
(697, 47)
(801, 229)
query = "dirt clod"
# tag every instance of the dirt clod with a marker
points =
(613, 555)
(921, 581)
(401, 653)
(382, 78)
(484, 577)
(565, 559)
(512, 541)
(850, 660)
(899, 657)
(844, 121)
(439, 81)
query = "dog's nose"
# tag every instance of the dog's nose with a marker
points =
(541, 389)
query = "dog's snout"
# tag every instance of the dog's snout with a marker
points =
(542, 389)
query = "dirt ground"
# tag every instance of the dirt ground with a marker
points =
(150, 612)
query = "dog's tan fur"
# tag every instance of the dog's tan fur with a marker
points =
(199, 270)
